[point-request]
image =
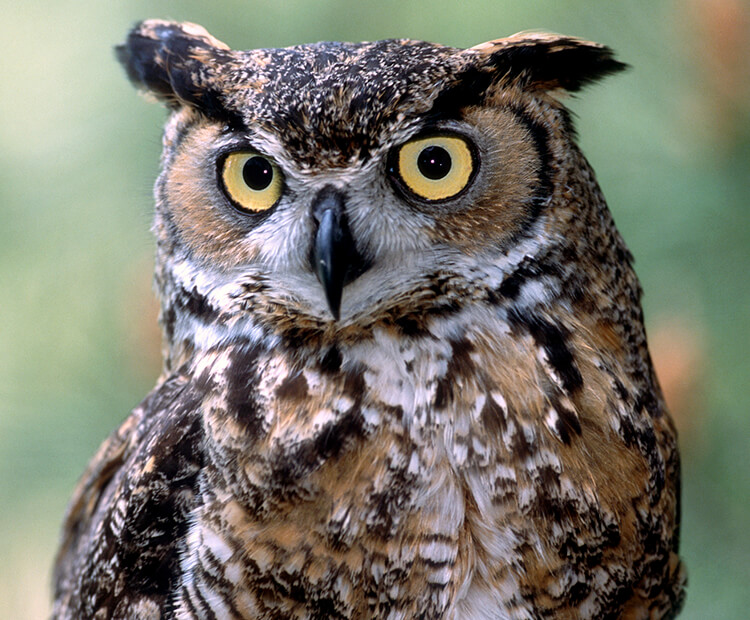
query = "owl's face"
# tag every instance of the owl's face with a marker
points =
(329, 182)
(450, 191)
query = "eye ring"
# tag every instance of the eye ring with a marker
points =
(251, 181)
(434, 167)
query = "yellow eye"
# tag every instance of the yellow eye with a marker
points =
(253, 182)
(436, 167)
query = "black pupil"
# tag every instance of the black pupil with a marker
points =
(257, 173)
(434, 162)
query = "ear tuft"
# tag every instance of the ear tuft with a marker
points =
(170, 60)
(547, 61)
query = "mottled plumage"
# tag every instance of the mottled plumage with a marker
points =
(395, 385)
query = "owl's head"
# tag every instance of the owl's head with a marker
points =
(334, 187)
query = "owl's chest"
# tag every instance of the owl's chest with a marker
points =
(375, 482)
(391, 427)
(400, 424)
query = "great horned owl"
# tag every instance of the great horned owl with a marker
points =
(405, 371)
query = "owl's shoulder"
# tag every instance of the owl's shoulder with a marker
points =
(129, 509)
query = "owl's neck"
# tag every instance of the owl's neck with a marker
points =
(201, 313)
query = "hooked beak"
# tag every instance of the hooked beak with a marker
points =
(334, 255)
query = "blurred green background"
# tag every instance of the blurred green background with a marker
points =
(79, 346)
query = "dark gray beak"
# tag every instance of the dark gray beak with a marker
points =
(335, 259)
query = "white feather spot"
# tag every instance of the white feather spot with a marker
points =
(499, 400)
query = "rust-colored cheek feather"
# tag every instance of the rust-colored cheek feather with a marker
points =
(405, 373)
